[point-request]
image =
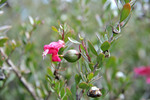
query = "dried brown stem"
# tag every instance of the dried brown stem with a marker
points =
(27, 85)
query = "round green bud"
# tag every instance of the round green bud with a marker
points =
(72, 55)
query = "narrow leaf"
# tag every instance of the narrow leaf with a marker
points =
(73, 40)
(31, 20)
(54, 29)
(50, 72)
(100, 57)
(125, 12)
(68, 91)
(62, 93)
(6, 27)
(92, 48)
(77, 78)
(91, 66)
(127, 1)
(90, 76)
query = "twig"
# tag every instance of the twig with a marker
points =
(49, 93)
(63, 35)
(83, 44)
(27, 85)
(78, 96)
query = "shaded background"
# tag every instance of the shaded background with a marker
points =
(132, 48)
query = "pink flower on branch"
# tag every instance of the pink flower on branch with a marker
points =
(143, 71)
(53, 49)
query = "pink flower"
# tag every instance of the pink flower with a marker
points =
(53, 49)
(143, 71)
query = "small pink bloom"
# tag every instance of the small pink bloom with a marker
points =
(56, 58)
(143, 71)
(148, 80)
(53, 49)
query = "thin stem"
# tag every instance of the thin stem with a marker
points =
(63, 35)
(87, 54)
(49, 93)
(78, 96)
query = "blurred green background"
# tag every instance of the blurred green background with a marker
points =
(87, 17)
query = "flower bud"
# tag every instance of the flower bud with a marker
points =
(120, 75)
(72, 55)
(94, 92)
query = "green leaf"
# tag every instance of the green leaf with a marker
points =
(103, 1)
(111, 62)
(100, 57)
(73, 91)
(127, 1)
(97, 72)
(62, 93)
(92, 48)
(50, 73)
(105, 46)
(51, 89)
(87, 1)
(126, 21)
(68, 91)
(125, 12)
(57, 87)
(54, 29)
(83, 85)
(77, 78)
(91, 66)
(48, 78)
(73, 40)
(2, 1)
(3, 40)
(69, 94)
(28, 47)
(90, 76)
(65, 97)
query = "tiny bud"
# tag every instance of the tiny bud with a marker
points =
(120, 75)
(107, 53)
(121, 97)
(2, 76)
(72, 55)
(94, 92)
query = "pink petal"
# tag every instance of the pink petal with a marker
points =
(53, 49)
(55, 58)
(54, 46)
(143, 71)
(45, 53)
(148, 80)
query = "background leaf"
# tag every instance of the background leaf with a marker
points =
(3, 40)
(54, 29)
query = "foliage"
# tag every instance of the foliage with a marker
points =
(91, 30)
